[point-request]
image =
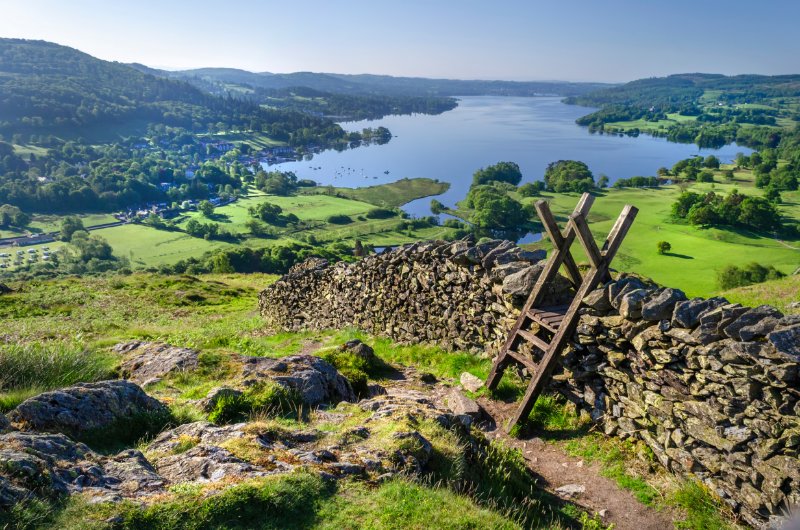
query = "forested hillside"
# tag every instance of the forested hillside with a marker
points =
(48, 89)
(710, 110)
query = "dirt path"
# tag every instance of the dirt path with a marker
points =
(556, 469)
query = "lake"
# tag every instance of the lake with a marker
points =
(485, 130)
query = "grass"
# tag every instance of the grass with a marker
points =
(697, 254)
(779, 293)
(389, 195)
(41, 223)
(300, 500)
(30, 368)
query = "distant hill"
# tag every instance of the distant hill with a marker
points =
(383, 85)
(46, 88)
(679, 89)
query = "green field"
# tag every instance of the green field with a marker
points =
(146, 247)
(697, 254)
(51, 223)
(389, 195)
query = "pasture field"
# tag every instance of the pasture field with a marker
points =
(697, 254)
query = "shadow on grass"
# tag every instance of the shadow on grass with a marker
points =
(681, 256)
(218, 217)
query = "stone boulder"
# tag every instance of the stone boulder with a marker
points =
(520, 284)
(85, 407)
(5, 289)
(316, 381)
(145, 361)
(751, 318)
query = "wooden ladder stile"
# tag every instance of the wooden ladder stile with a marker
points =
(561, 320)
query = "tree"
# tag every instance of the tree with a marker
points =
(705, 176)
(91, 247)
(267, 212)
(531, 189)
(568, 175)
(206, 208)
(711, 162)
(500, 172)
(602, 182)
(494, 209)
(70, 225)
(13, 216)
(437, 207)
(663, 247)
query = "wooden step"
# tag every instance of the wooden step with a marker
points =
(549, 317)
(533, 339)
(529, 363)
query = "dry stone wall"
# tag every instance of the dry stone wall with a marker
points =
(459, 295)
(712, 388)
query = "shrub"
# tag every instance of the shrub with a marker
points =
(379, 213)
(340, 219)
(663, 247)
(734, 276)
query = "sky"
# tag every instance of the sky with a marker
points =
(570, 40)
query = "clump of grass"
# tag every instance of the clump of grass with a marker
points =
(27, 369)
(265, 398)
(356, 369)
(703, 510)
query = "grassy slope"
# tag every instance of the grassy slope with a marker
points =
(51, 223)
(57, 330)
(697, 254)
(780, 293)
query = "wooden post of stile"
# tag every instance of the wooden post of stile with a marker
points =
(560, 321)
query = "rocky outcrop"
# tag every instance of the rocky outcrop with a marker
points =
(85, 407)
(52, 465)
(316, 381)
(149, 361)
(460, 295)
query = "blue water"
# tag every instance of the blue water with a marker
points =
(484, 130)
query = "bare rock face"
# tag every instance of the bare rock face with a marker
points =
(150, 360)
(52, 465)
(85, 407)
(316, 381)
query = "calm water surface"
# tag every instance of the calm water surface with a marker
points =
(484, 130)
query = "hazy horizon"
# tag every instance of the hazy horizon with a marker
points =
(577, 40)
